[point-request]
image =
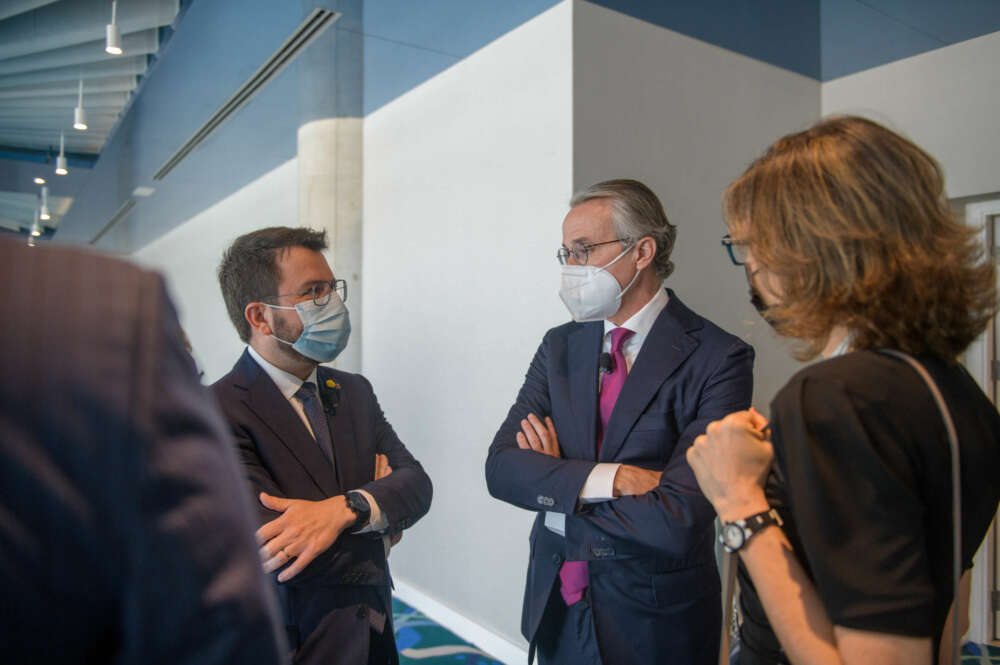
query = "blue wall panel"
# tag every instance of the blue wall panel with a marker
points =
(859, 35)
(408, 42)
(785, 33)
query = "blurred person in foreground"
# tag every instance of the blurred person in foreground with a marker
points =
(126, 535)
(849, 246)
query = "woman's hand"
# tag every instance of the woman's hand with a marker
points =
(731, 461)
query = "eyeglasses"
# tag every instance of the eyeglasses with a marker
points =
(581, 254)
(320, 292)
(737, 250)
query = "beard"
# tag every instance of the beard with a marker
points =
(290, 334)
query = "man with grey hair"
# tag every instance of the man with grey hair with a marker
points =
(622, 565)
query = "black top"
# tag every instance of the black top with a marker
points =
(862, 480)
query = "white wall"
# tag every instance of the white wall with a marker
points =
(466, 180)
(189, 255)
(944, 100)
(686, 118)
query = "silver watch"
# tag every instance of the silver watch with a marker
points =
(734, 535)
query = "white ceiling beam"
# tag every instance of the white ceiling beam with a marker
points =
(133, 44)
(122, 66)
(69, 88)
(15, 7)
(107, 100)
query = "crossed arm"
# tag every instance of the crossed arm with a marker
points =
(300, 530)
(525, 467)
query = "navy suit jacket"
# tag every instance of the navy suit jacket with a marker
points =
(281, 458)
(126, 535)
(654, 584)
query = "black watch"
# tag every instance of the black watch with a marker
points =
(357, 502)
(734, 535)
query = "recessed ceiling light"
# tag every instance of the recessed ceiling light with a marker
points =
(143, 191)
(39, 180)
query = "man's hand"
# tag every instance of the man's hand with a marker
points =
(731, 462)
(304, 530)
(382, 468)
(633, 480)
(538, 436)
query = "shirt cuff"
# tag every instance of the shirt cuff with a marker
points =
(377, 521)
(600, 484)
(556, 523)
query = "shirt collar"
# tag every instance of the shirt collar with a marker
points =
(642, 321)
(288, 384)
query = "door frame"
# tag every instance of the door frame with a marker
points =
(979, 358)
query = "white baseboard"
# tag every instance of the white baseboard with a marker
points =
(499, 647)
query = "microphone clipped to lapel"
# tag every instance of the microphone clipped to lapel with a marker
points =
(330, 396)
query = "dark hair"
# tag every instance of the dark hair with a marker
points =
(852, 219)
(636, 214)
(249, 268)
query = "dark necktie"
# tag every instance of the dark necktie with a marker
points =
(316, 416)
(573, 574)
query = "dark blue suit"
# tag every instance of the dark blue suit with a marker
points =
(281, 458)
(126, 535)
(654, 585)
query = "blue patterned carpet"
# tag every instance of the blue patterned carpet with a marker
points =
(421, 640)
(980, 654)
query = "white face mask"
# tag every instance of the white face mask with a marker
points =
(591, 293)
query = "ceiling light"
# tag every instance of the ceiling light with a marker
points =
(43, 212)
(113, 44)
(36, 229)
(79, 115)
(61, 159)
(39, 180)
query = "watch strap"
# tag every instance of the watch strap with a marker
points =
(755, 524)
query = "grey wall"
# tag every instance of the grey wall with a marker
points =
(686, 118)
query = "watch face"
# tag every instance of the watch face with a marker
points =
(732, 536)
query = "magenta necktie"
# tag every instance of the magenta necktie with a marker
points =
(573, 574)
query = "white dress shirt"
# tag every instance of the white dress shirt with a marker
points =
(288, 385)
(599, 485)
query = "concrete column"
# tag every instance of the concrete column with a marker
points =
(330, 152)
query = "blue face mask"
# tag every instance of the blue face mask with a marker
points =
(325, 329)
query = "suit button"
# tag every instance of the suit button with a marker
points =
(556, 559)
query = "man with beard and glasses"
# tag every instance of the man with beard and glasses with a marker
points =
(622, 567)
(333, 482)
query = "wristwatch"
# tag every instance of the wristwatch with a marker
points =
(735, 535)
(357, 502)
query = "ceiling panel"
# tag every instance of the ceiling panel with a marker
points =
(46, 49)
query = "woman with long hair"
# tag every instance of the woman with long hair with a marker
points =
(840, 506)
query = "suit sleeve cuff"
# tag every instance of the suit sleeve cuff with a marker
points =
(600, 484)
(377, 521)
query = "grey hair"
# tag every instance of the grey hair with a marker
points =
(636, 213)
